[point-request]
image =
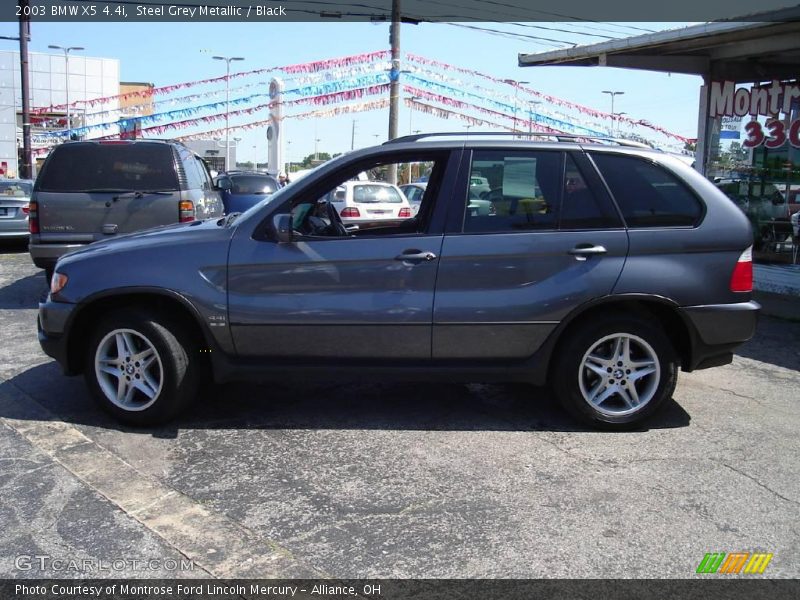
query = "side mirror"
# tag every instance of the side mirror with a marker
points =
(224, 183)
(282, 227)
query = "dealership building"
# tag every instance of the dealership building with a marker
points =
(750, 70)
(89, 78)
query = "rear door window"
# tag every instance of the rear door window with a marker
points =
(91, 166)
(581, 206)
(647, 194)
(523, 193)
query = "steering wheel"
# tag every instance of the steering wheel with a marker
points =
(336, 223)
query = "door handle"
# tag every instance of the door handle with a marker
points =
(415, 256)
(584, 251)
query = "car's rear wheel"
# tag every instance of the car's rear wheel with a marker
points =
(141, 367)
(616, 373)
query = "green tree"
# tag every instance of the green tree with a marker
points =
(315, 159)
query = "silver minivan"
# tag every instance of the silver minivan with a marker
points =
(89, 191)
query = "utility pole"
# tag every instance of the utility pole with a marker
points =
(394, 76)
(25, 170)
(353, 136)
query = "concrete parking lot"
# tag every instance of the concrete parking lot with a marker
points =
(409, 480)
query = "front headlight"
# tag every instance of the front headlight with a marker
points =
(58, 282)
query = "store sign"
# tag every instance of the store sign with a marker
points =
(730, 128)
(771, 101)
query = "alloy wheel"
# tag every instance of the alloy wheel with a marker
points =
(128, 369)
(619, 374)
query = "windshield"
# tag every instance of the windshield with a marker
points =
(376, 193)
(19, 189)
(91, 166)
(252, 184)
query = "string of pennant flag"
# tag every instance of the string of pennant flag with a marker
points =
(442, 86)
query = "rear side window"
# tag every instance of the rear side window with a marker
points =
(87, 167)
(648, 195)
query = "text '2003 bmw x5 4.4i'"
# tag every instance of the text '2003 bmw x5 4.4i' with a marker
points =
(599, 268)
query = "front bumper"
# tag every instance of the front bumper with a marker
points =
(52, 326)
(717, 329)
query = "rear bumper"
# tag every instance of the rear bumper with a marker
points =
(46, 255)
(14, 234)
(717, 329)
(52, 329)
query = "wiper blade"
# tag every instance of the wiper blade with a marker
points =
(122, 191)
(159, 192)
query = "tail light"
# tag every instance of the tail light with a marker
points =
(26, 210)
(186, 209)
(350, 211)
(404, 213)
(742, 277)
(33, 217)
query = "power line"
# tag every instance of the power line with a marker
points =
(512, 35)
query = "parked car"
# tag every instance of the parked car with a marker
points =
(15, 195)
(413, 193)
(96, 190)
(603, 287)
(243, 189)
(368, 202)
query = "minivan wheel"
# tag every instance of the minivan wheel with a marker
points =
(615, 374)
(138, 367)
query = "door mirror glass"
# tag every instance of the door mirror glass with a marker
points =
(282, 227)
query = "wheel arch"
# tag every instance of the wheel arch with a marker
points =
(667, 313)
(164, 301)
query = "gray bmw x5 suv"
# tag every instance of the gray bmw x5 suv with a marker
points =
(599, 268)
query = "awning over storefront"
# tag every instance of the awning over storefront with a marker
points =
(747, 49)
(751, 48)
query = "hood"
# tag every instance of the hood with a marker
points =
(157, 239)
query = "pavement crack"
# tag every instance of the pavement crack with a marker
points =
(759, 484)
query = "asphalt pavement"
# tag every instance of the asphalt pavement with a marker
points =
(392, 480)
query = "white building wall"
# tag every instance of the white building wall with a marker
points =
(90, 78)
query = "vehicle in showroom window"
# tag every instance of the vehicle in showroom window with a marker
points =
(599, 268)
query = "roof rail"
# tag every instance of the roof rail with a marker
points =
(561, 137)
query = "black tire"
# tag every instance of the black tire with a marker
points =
(616, 412)
(176, 364)
(48, 274)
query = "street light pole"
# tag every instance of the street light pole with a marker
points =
(411, 111)
(619, 114)
(228, 60)
(612, 93)
(530, 116)
(66, 50)
(516, 85)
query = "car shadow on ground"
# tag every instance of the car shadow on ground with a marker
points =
(368, 406)
(777, 342)
(23, 293)
(14, 246)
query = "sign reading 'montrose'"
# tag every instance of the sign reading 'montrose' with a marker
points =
(767, 100)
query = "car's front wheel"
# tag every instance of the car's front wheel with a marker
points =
(616, 373)
(141, 367)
